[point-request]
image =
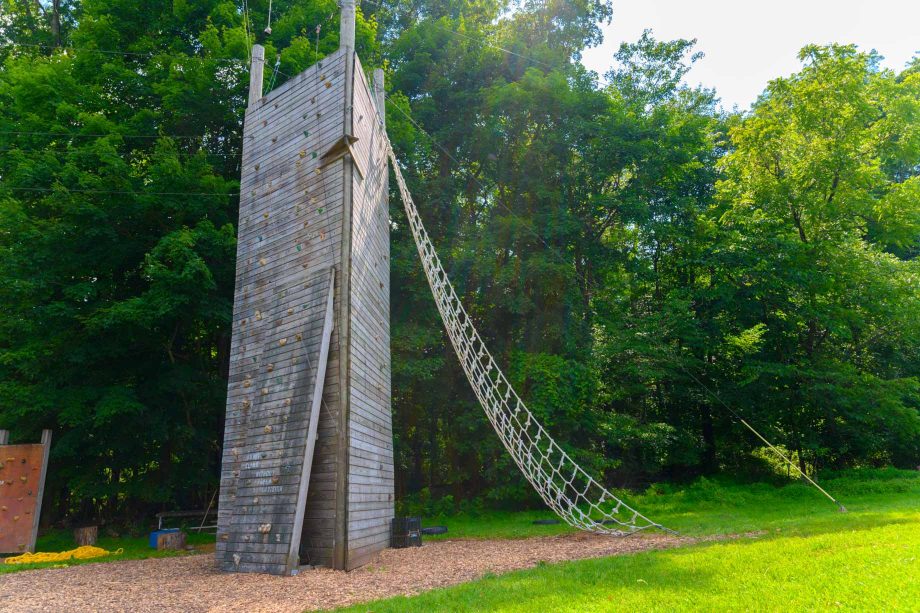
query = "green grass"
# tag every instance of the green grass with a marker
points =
(721, 507)
(807, 556)
(134, 549)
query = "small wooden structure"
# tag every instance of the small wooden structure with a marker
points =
(22, 484)
(307, 470)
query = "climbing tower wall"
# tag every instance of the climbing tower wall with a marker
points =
(313, 207)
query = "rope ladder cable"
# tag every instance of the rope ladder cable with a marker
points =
(705, 388)
(574, 495)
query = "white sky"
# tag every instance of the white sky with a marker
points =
(749, 43)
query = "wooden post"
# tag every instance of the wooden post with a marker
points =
(380, 97)
(256, 67)
(347, 27)
(4, 437)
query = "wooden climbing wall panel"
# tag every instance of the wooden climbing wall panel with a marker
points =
(298, 218)
(22, 480)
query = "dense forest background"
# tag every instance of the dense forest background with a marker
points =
(642, 262)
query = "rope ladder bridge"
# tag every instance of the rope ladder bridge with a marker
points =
(574, 495)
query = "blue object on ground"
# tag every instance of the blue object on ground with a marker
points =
(156, 533)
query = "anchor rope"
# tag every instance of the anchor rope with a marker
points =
(574, 495)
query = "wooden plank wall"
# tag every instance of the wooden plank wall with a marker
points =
(290, 233)
(370, 470)
(291, 230)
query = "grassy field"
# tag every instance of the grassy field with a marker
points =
(806, 555)
(133, 549)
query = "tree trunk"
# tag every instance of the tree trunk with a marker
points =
(56, 22)
(86, 535)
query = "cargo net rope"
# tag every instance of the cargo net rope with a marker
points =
(575, 496)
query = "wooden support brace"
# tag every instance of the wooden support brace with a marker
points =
(318, 385)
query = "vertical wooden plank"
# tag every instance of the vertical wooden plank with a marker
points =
(380, 97)
(256, 68)
(4, 437)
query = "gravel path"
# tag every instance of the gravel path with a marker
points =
(192, 583)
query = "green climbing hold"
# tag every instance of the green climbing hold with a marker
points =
(306, 133)
(298, 247)
(314, 155)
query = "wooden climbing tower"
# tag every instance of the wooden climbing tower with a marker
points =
(307, 474)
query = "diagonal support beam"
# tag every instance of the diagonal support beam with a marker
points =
(318, 385)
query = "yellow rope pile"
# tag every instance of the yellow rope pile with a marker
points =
(80, 553)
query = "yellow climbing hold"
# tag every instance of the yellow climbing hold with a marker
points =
(80, 553)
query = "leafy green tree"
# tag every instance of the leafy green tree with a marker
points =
(820, 200)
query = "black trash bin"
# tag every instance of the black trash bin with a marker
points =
(406, 532)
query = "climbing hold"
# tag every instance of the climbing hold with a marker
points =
(270, 367)
(262, 261)
(290, 311)
(320, 210)
(312, 101)
(314, 155)
(318, 171)
(257, 167)
(247, 404)
(322, 77)
(306, 133)
(300, 337)
(276, 479)
(313, 200)
(247, 383)
(287, 402)
(265, 215)
(298, 247)
(274, 139)
(268, 429)
(265, 391)
(259, 315)
(328, 84)
(303, 153)
(282, 342)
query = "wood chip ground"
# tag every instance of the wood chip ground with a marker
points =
(193, 584)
